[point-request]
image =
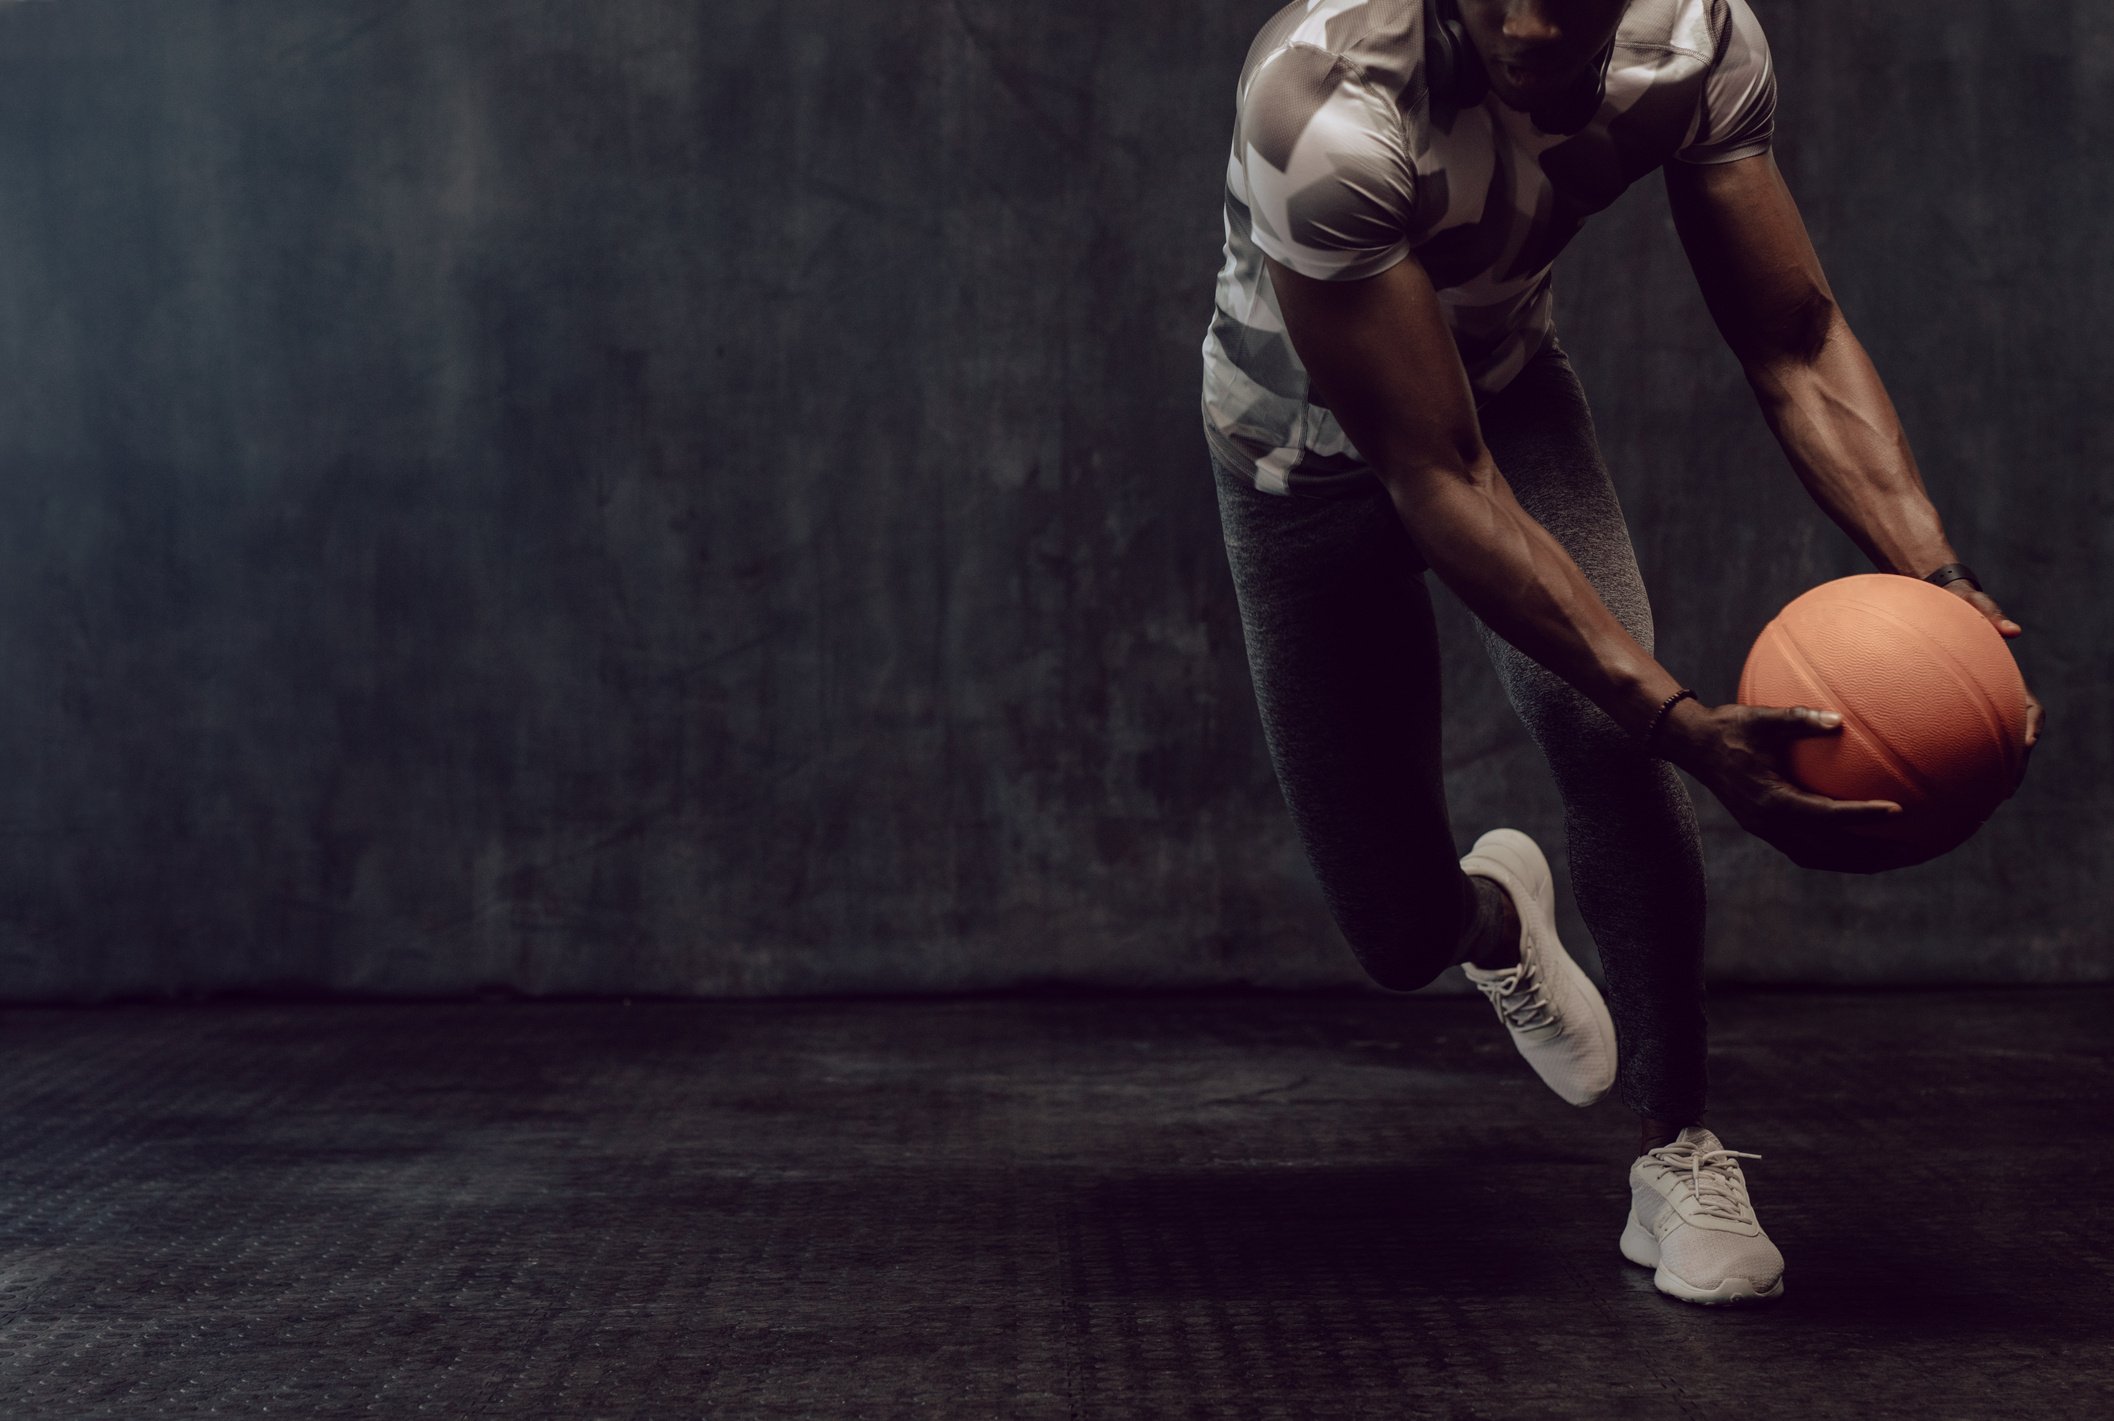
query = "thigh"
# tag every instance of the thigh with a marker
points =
(1343, 652)
(1540, 433)
(1539, 430)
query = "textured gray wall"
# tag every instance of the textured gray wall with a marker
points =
(641, 495)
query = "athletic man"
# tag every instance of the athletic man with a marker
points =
(1384, 394)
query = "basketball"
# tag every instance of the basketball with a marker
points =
(1933, 705)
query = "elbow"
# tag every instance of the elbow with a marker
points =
(1792, 344)
(1797, 335)
(1414, 482)
(1811, 326)
(1438, 499)
(1447, 456)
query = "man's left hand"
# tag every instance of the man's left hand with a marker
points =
(1987, 606)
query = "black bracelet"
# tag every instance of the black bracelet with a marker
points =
(1954, 572)
(1664, 707)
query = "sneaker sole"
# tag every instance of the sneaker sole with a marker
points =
(1640, 1248)
(1519, 858)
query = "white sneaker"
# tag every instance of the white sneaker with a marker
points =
(1690, 1220)
(1552, 1008)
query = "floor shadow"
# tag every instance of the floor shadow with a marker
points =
(1261, 1231)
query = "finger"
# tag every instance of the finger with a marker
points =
(1849, 811)
(1987, 606)
(2034, 720)
(1797, 720)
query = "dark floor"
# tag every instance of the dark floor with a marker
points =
(1229, 1206)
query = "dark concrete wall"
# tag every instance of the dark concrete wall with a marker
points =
(659, 496)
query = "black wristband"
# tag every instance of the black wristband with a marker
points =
(1660, 718)
(1954, 572)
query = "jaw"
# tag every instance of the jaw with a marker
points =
(1525, 95)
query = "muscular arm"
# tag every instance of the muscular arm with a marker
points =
(1815, 384)
(1380, 357)
(1817, 388)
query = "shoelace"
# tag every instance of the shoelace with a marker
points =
(1725, 1196)
(1521, 1006)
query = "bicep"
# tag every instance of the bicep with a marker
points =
(1380, 357)
(1752, 257)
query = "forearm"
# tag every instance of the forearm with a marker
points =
(1831, 413)
(1515, 576)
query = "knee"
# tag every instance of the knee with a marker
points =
(1397, 895)
(1408, 972)
(1572, 731)
(1413, 948)
(1409, 956)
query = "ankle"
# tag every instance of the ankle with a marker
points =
(1653, 1133)
(1492, 940)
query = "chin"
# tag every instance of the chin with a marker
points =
(1512, 97)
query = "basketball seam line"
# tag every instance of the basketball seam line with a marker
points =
(1960, 669)
(1886, 752)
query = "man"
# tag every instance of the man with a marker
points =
(1384, 394)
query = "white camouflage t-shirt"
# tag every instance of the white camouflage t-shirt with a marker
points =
(1342, 164)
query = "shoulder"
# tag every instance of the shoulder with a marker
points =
(1320, 153)
(1375, 44)
(1352, 66)
(1302, 92)
(1701, 31)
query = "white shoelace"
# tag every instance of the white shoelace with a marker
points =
(1719, 1188)
(1519, 997)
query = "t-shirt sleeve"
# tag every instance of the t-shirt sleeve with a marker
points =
(1330, 189)
(1736, 115)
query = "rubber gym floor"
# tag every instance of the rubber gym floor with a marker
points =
(1070, 1206)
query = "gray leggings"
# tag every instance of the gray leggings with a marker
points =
(1343, 652)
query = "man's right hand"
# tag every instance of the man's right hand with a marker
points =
(1737, 751)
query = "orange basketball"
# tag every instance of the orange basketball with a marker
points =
(1933, 706)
